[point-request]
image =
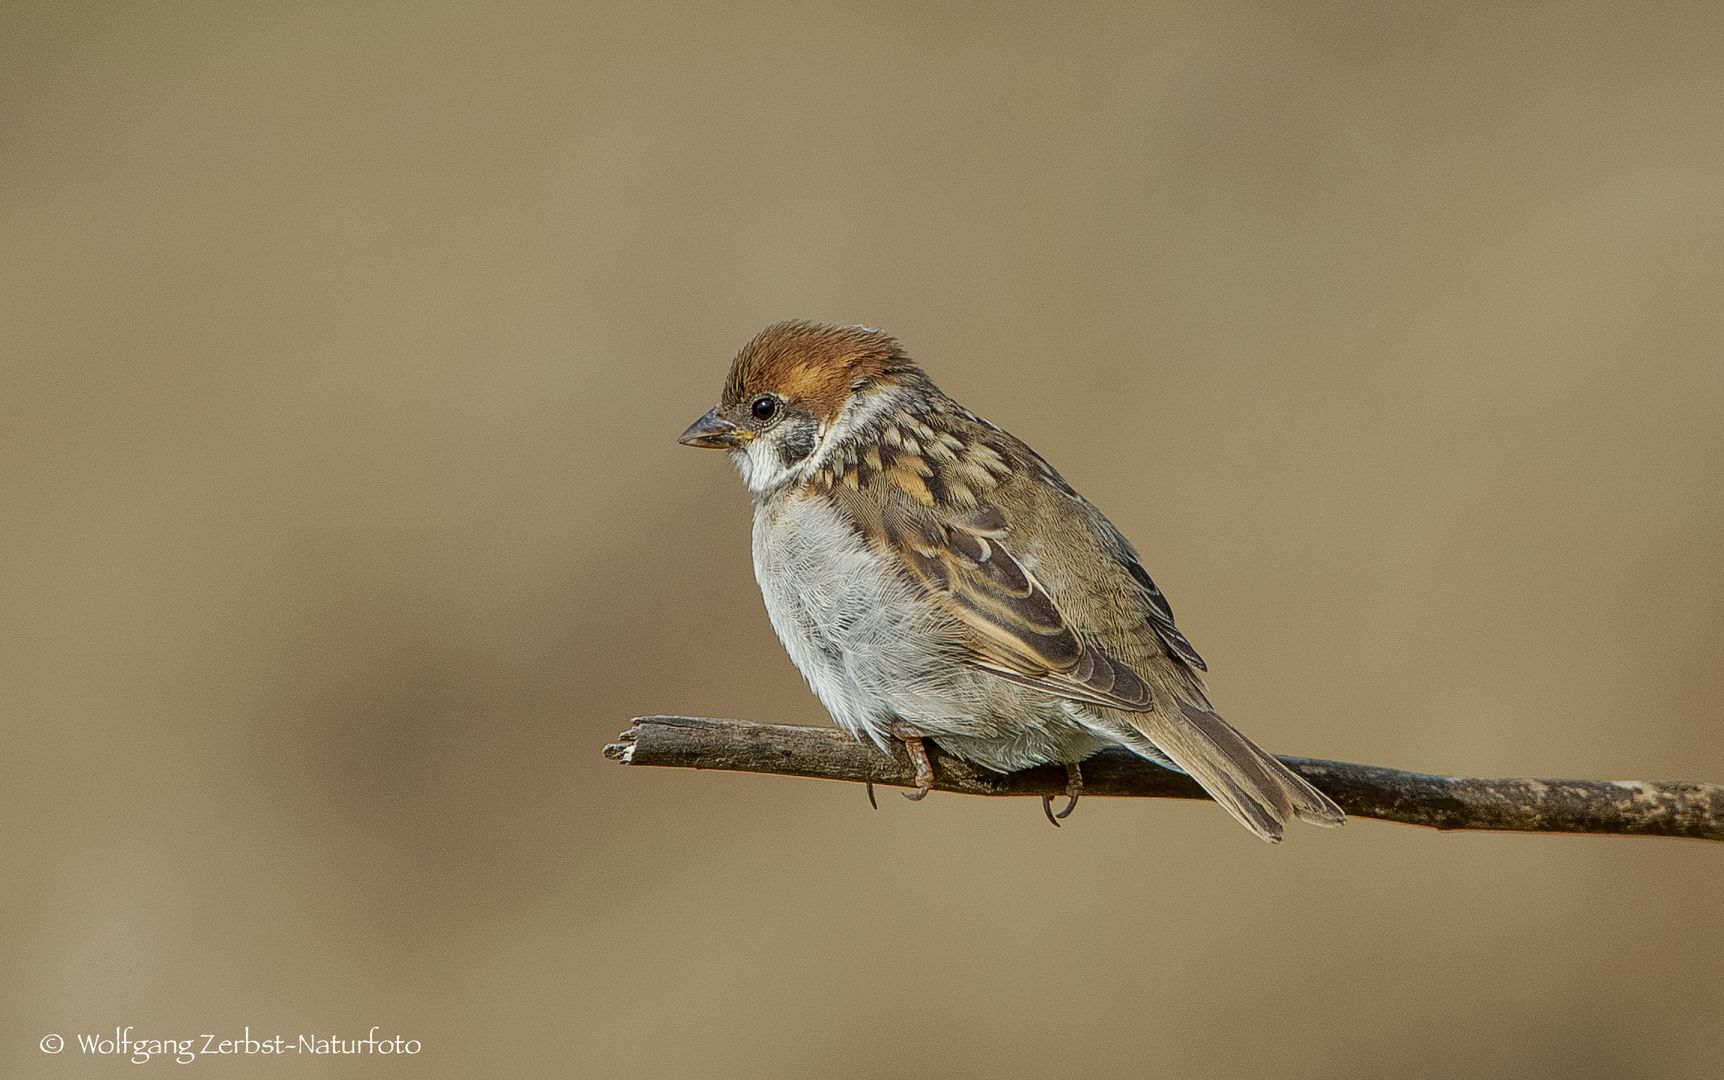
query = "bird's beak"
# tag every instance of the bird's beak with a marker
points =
(713, 432)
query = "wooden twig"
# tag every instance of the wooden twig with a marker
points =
(1624, 807)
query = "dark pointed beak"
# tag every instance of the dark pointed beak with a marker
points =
(713, 432)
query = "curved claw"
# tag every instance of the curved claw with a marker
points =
(918, 795)
(871, 802)
(1074, 788)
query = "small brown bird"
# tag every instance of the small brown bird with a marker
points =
(933, 577)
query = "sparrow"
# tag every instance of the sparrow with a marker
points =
(934, 578)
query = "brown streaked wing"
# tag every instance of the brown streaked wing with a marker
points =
(1017, 632)
(1124, 689)
(1014, 621)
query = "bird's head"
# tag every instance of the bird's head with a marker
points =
(794, 391)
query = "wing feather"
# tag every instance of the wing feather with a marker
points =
(1016, 629)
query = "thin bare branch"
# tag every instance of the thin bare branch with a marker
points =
(1623, 807)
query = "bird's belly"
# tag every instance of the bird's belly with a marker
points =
(884, 657)
(873, 647)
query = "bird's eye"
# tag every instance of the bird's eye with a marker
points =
(765, 408)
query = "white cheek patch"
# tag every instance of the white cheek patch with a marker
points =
(761, 469)
(744, 465)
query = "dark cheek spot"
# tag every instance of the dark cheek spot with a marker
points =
(797, 441)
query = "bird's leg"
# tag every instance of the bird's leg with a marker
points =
(924, 771)
(1074, 788)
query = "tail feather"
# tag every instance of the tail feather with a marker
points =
(1254, 787)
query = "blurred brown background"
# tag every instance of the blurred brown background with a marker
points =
(345, 350)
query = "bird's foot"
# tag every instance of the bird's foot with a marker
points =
(924, 770)
(1074, 788)
(869, 784)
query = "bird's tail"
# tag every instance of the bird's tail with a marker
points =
(1253, 786)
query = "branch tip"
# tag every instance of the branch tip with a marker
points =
(623, 749)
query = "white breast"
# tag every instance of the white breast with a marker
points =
(870, 646)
